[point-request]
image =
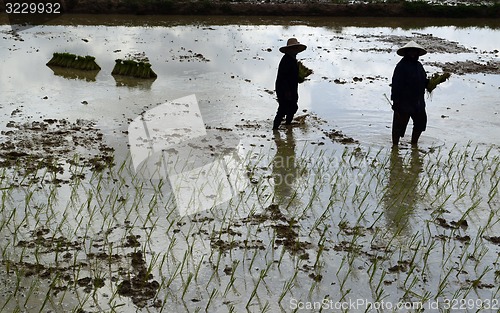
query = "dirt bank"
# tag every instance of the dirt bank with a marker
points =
(285, 8)
(458, 9)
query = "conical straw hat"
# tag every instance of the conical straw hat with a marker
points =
(411, 45)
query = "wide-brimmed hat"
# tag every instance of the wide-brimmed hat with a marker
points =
(293, 45)
(411, 45)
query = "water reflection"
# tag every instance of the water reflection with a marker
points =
(133, 82)
(69, 73)
(240, 61)
(285, 170)
(402, 193)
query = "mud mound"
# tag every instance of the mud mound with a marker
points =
(70, 260)
(31, 146)
(469, 67)
(429, 42)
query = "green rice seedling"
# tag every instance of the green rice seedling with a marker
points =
(197, 269)
(493, 192)
(186, 284)
(443, 282)
(380, 293)
(256, 286)
(287, 286)
(408, 289)
(428, 249)
(490, 223)
(344, 280)
(282, 254)
(478, 256)
(215, 273)
(173, 275)
(211, 298)
(232, 278)
(31, 291)
(48, 293)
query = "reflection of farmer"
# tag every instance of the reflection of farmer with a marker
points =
(287, 82)
(284, 167)
(402, 189)
(408, 87)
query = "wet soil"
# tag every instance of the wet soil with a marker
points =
(51, 144)
(435, 45)
(140, 287)
(72, 264)
(286, 235)
(32, 146)
(431, 43)
(468, 67)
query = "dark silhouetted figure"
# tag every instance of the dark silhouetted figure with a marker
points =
(287, 82)
(408, 89)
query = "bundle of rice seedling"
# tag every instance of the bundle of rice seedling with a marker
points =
(303, 72)
(133, 68)
(435, 80)
(69, 60)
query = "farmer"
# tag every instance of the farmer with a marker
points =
(287, 82)
(408, 87)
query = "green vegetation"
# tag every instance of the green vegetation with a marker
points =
(69, 60)
(408, 225)
(304, 72)
(133, 68)
(435, 80)
(423, 8)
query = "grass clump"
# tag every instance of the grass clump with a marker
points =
(133, 68)
(304, 72)
(435, 80)
(85, 63)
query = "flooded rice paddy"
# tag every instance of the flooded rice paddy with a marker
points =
(325, 215)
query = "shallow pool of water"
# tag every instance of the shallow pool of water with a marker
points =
(316, 220)
(232, 67)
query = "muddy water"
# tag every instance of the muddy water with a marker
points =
(230, 66)
(231, 69)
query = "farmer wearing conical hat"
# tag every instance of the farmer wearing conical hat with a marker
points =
(287, 82)
(407, 93)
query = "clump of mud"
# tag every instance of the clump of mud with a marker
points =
(286, 230)
(439, 45)
(72, 263)
(429, 42)
(49, 144)
(189, 56)
(339, 137)
(469, 67)
(141, 287)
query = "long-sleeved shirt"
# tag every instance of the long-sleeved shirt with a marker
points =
(408, 86)
(287, 80)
